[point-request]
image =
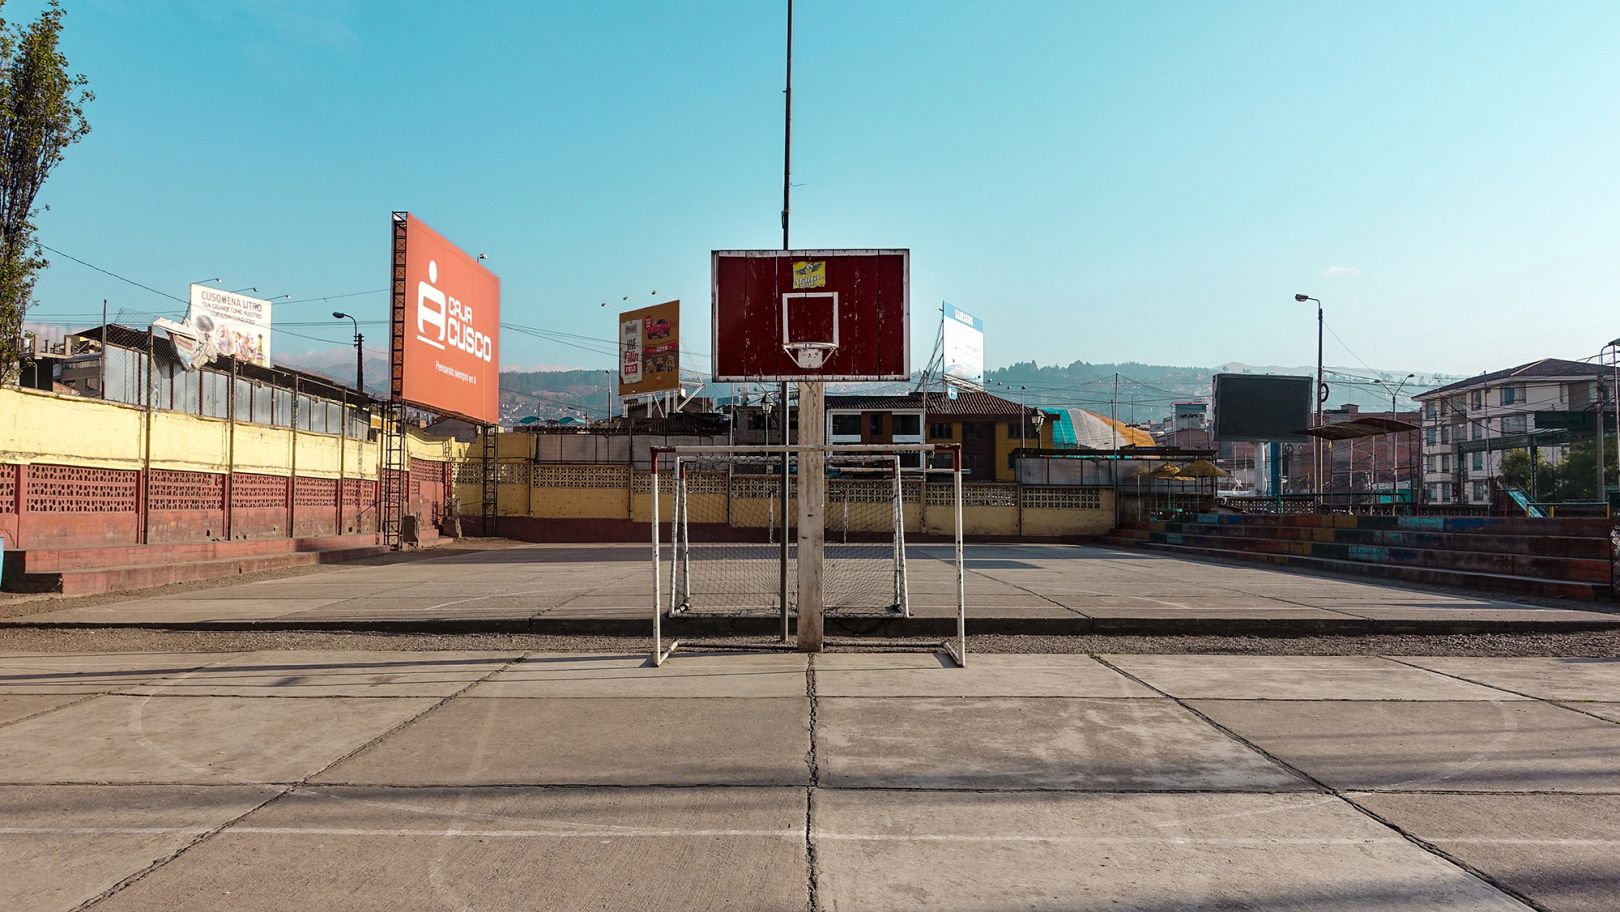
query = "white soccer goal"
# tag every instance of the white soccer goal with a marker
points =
(725, 551)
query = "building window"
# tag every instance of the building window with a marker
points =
(846, 425)
(1476, 399)
(1431, 409)
(876, 424)
(1512, 394)
(1445, 462)
(1445, 433)
(1428, 436)
(1478, 462)
(907, 425)
(1479, 492)
(1514, 424)
(940, 432)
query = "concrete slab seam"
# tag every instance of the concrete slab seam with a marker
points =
(1028, 590)
(1323, 787)
(413, 719)
(1343, 613)
(1562, 704)
(82, 698)
(166, 859)
(812, 869)
(287, 790)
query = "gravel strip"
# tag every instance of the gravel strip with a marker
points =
(1589, 644)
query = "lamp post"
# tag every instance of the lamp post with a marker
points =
(1023, 418)
(1614, 392)
(1394, 452)
(359, 353)
(1316, 445)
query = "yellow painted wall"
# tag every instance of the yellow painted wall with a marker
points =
(63, 430)
(1052, 521)
(598, 493)
(48, 428)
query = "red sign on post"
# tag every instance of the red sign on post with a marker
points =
(446, 326)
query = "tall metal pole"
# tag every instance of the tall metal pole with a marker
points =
(1316, 394)
(787, 208)
(1022, 416)
(1614, 392)
(1316, 442)
(101, 362)
(787, 133)
(812, 421)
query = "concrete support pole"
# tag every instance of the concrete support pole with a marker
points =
(812, 512)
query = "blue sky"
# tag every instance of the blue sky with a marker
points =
(1098, 181)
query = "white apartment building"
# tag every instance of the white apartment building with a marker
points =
(1468, 426)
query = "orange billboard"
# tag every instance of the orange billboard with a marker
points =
(650, 349)
(446, 325)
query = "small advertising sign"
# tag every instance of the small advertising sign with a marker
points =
(227, 323)
(963, 346)
(650, 349)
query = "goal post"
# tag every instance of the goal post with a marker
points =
(717, 544)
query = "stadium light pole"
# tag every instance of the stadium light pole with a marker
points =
(1614, 392)
(359, 353)
(1394, 452)
(1316, 444)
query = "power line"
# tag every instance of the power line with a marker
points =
(109, 272)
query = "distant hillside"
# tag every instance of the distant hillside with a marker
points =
(554, 394)
(1145, 391)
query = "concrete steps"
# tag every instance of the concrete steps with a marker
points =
(1548, 558)
(91, 571)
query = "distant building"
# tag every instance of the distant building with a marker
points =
(1468, 426)
(988, 427)
(1189, 416)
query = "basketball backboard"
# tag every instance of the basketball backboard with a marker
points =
(811, 315)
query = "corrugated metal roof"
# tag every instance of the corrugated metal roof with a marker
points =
(1098, 432)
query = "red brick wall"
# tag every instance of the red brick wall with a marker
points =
(71, 506)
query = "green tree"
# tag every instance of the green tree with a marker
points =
(1577, 474)
(41, 114)
(1517, 473)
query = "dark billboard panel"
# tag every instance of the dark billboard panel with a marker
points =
(1262, 407)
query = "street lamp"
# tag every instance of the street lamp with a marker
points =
(1394, 453)
(1316, 446)
(1023, 417)
(359, 362)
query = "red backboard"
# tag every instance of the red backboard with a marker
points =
(446, 325)
(811, 315)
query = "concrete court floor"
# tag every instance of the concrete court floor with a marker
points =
(493, 781)
(538, 583)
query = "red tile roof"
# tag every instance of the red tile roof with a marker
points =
(967, 402)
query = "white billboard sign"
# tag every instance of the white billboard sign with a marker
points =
(231, 324)
(962, 340)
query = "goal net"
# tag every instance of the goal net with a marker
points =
(726, 552)
(726, 543)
